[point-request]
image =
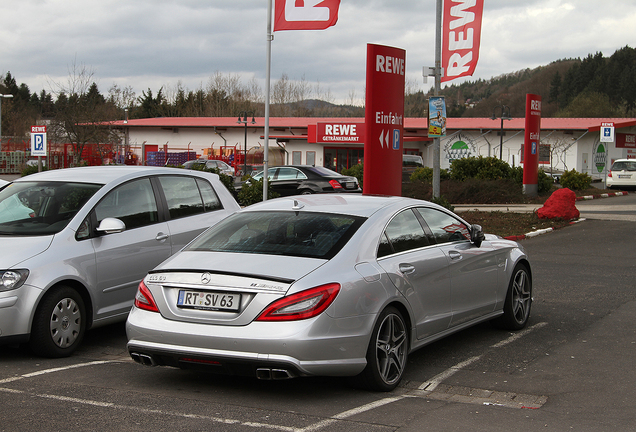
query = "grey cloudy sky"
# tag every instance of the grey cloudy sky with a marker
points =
(154, 43)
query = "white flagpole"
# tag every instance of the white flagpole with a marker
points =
(270, 37)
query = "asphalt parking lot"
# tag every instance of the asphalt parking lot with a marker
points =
(571, 369)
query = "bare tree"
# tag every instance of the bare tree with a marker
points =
(80, 113)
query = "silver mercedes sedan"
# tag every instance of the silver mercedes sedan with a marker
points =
(334, 285)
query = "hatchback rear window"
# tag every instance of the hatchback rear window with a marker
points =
(624, 166)
(300, 234)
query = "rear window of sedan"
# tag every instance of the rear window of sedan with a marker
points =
(300, 234)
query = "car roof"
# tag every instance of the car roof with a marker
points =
(351, 204)
(100, 174)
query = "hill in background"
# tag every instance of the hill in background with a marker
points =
(596, 86)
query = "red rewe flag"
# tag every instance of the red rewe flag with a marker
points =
(305, 14)
(461, 33)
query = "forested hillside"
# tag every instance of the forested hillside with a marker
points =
(595, 86)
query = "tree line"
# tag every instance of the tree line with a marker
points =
(595, 86)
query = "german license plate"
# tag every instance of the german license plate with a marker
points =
(207, 300)
(625, 176)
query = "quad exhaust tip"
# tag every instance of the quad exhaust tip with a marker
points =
(273, 374)
(143, 359)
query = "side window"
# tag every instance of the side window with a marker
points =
(445, 228)
(210, 199)
(182, 195)
(134, 203)
(290, 174)
(403, 233)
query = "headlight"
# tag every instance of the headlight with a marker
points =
(12, 279)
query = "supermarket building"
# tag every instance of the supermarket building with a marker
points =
(338, 143)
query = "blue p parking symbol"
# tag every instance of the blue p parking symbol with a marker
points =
(396, 139)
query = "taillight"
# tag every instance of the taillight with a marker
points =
(302, 305)
(609, 174)
(335, 184)
(144, 299)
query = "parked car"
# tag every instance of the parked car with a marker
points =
(622, 173)
(338, 285)
(410, 163)
(76, 242)
(210, 164)
(290, 180)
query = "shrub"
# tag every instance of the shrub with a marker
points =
(487, 168)
(31, 169)
(426, 174)
(575, 180)
(252, 192)
(356, 171)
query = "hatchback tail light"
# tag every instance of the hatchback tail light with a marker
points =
(335, 184)
(302, 305)
(609, 174)
(144, 299)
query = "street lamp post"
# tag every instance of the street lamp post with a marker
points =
(243, 120)
(505, 115)
(2, 96)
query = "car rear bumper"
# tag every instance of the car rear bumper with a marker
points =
(259, 349)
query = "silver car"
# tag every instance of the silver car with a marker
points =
(337, 285)
(76, 242)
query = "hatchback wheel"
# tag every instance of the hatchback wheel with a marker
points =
(59, 323)
(518, 301)
(387, 352)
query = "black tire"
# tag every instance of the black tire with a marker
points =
(306, 192)
(59, 323)
(518, 301)
(387, 352)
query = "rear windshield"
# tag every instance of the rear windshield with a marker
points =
(41, 208)
(624, 166)
(300, 234)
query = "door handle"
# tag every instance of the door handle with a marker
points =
(406, 268)
(161, 237)
(454, 255)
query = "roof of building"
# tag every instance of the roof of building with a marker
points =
(285, 123)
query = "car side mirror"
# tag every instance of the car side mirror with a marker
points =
(111, 226)
(476, 235)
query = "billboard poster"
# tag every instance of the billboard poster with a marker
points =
(436, 117)
(384, 120)
(531, 142)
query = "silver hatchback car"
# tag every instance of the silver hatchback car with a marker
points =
(338, 285)
(76, 242)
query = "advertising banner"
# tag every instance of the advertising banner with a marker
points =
(384, 120)
(436, 117)
(531, 141)
(461, 33)
(305, 15)
(38, 140)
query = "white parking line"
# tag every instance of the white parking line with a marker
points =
(431, 384)
(47, 371)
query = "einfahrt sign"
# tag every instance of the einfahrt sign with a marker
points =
(384, 120)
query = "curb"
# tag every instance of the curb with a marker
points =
(539, 232)
(547, 230)
(605, 195)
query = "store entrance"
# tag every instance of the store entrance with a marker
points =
(338, 159)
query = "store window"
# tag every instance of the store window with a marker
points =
(338, 159)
